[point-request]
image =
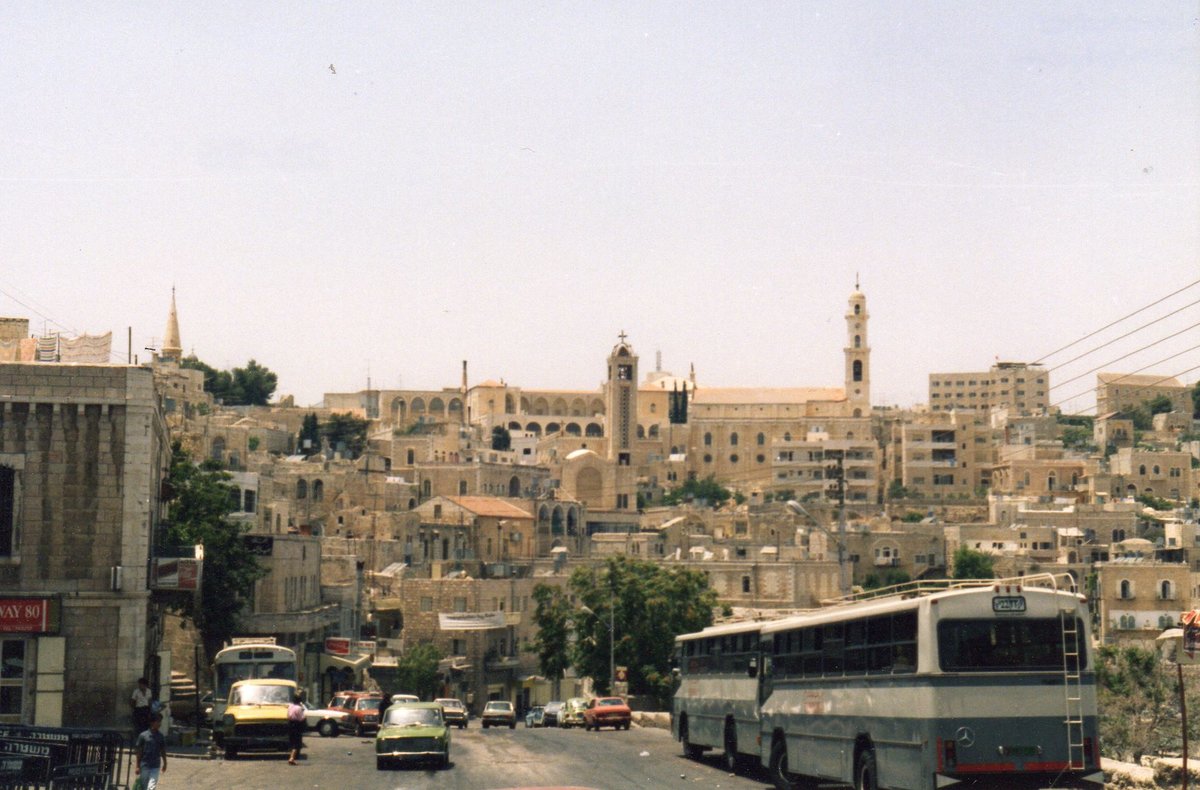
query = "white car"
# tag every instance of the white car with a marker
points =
(326, 722)
(400, 698)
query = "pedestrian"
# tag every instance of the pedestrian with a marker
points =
(151, 751)
(140, 701)
(296, 723)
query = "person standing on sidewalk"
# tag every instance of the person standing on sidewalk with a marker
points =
(296, 724)
(140, 701)
(151, 752)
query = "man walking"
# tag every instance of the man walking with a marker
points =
(151, 751)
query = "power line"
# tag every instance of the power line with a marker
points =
(1152, 384)
(1114, 323)
(1131, 353)
(1127, 334)
(1118, 380)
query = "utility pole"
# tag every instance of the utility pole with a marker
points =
(836, 472)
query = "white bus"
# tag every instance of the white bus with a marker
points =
(246, 661)
(971, 684)
(716, 704)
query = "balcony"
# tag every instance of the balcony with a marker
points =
(501, 662)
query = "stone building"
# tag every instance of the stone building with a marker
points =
(1139, 597)
(83, 453)
(1118, 391)
(1018, 386)
(940, 454)
(1133, 472)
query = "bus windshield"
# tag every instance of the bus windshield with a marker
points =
(994, 645)
(228, 674)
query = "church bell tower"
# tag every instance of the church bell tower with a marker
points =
(858, 356)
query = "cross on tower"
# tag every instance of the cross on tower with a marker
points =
(622, 335)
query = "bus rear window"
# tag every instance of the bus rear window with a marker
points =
(1004, 645)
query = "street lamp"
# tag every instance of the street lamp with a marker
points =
(839, 539)
(612, 667)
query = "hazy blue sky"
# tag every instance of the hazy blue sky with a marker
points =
(515, 183)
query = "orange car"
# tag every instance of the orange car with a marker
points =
(606, 712)
(364, 708)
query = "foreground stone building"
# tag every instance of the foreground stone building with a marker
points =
(83, 453)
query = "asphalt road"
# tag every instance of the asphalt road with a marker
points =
(495, 758)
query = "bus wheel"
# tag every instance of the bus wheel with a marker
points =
(730, 758)
(866, 776)
(779, 768)
(690, 750)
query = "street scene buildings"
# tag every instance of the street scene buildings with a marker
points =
(462, 499)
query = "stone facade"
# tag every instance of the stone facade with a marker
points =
(85, 448)
(1017, 386)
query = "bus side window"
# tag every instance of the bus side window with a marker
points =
(752, 669)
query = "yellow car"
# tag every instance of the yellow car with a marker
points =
(256, 717)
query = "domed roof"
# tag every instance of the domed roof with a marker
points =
(583, 452)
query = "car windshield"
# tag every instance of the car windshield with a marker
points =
(450, 703)
(261, 695)
(370, 703)
(404, 716)
(613, 701)
(501, 706)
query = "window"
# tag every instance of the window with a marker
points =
(1166, 590)
(301, 489)
(733, 459)
(12, 679)
(426, 603)
(1125, 590)
(708, 440)
(733, 439)
(1002, 645)
(460, 604)
(745, 584)
(858, 370)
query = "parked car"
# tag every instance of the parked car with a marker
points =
(327, 722)
(606, 712)
(397, 698)
(364, 707)
(533, 716)
(413, 731)
(571, 714)
(256, 717)
(454, 712)
(499, 713)
(550, 716)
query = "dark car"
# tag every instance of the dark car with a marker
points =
(454, 712)
(551, 713)
(499, 713)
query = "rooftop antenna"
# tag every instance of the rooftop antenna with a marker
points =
(658, 361)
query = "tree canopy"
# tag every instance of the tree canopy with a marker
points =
(553, 617)
(972, 564)
(252, 385)
(310, 431)
(707, 489)
(501, 438)
(649, 605)
(346, 434)
(200, 501)
(417, 671)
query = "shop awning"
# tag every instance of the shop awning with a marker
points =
(337, 662)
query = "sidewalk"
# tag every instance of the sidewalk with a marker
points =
(187, 744)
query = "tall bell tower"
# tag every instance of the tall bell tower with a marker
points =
(620, 404)
(858, 356)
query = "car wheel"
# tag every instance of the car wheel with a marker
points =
(778, 769)
(445, 762)
(327, 729)
(380, 764)
(485, 725)
(359, 731)
(512, 726)
(462, 726)
(230, 753)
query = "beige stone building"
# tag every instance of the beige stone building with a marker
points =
(1020, 387)
(83, 453)
(942, 455)
(1168, 475)
(1139, 597)
(1117, 391)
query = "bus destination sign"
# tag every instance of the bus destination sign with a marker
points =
(1008, 604)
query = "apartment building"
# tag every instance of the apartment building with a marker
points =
(1117, 391)
(1020, 387)
(942, 455)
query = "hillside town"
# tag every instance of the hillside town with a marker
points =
(436, 528)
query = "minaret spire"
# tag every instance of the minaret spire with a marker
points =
(172, 348)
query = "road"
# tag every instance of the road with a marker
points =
(495, 758)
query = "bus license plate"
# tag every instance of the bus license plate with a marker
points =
(1008, 603)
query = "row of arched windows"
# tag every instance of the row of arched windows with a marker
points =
(1165, 590)
(570, 429)
(303, 489)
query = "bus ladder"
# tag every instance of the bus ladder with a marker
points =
(1073, 685)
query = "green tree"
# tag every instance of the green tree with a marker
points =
(1196, 401)
(346, 433)
(649, 605)
(887, 578)
(553, 619)
(254, 384)
(501, 438)
(200, 501)
(310, 431)
(417, 671)
(972, 564)
(896, 490)
(707, 489)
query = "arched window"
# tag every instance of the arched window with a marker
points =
(654, 431)
(301, 489)
(708, 440)
(462, 487)
(858, 341)
(857, 309)
(514, 487)
(760, 440)
(641, 432)
(1142, 469)
(318, 490)
(1156, 470)
(1051, 480)
(857, 370)
(787, 437)
(1166, 590)
(1126, 590)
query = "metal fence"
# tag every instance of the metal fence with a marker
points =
(62, 758)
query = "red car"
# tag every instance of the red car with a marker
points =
(606, 712)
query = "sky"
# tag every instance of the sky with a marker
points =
(351, 190)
